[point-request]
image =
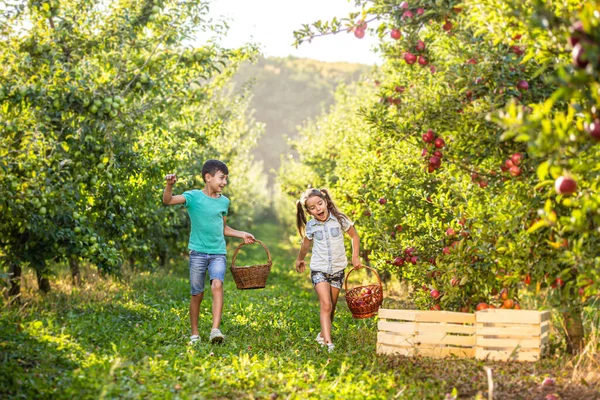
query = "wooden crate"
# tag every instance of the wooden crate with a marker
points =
(519, 335)
(427, 333)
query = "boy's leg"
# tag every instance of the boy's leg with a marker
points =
(216, 271)
(198, 265)
(323, 290)
(195, 302)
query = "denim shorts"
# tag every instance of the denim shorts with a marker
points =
(216, 264)
(336, 279)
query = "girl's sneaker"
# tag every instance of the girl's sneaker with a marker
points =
(320, 339)
(194, 339)
(330, 347)
(216, 336)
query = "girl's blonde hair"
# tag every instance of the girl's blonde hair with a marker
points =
(323, 194)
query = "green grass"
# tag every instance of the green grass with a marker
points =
(129, 339)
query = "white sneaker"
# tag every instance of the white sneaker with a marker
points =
(216, 336)
(330, 347)
(194, 339)
(320, 339)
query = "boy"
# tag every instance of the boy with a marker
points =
(207, 209)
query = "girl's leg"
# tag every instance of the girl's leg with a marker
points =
(335, 293)
(323, 290)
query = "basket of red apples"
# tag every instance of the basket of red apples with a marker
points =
(364, 301)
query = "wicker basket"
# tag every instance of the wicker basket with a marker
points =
(253, 276)
(364, 301)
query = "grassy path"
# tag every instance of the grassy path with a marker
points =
(129, 340)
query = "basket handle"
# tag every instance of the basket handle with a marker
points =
(359, 267)
(235, 253)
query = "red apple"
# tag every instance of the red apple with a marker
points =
(423, 61)
(435, 162)
(446, 250)
(450, 232)
(509, 163)
(548, 382)
(398, 261)
(565, 185)
(407, 14)
(579, 57)
(410, 58)
(454, 281)
(424, 152)
(409, 251)
(439, 143)
(483, 184)
(472, 61)
(447, 26)
(399, 89)
(438, 153)
(359, 32)
(527, 279)
(404, 5)
(396, 34)
(413, 260)
(436, 307)
(523, 85)
(560, 282)
(420, 45)
(594, 129)
(420, 11)
(382, 200)
(434, 293)
(516, 158)
(481, 306)
(428, 136)
(398, 227)
(515, 171)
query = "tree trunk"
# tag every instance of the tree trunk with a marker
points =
(75, 272)
(43, 282)
(15, 283)
(574, 327)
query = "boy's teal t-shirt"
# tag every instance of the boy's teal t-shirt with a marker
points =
(206, 214)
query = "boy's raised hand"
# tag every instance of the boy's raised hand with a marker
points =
(300, 265)
(171, 179)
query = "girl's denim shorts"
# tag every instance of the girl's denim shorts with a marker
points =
(336, 279)
(200, 263)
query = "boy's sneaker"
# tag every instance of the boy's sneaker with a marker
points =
(194, 339)
(320, 339)
(216, 336)
(330, 347)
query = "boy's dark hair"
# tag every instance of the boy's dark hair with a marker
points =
(212, 167)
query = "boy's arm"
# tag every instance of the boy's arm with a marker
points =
(228, 231)
(168, 197)
(300, 263)
(355, 246)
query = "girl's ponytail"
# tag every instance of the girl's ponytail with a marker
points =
(300, 218)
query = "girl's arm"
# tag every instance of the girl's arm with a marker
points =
(355, 246)
(229, 231)
(300, 263)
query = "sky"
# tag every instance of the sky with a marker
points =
(271, 24)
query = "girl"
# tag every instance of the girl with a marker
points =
(328, 261)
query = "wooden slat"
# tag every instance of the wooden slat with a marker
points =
(507, 355)
(434, 339)
(416, 327)
(508, 331)
(509, 316)
(546, 316)
(429, 352)
(510, 343)
(427, 316)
